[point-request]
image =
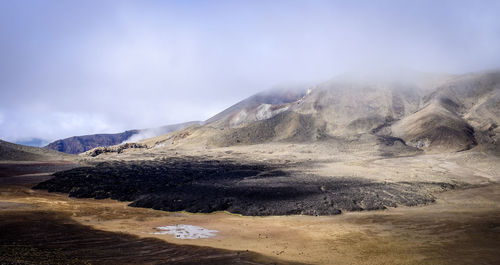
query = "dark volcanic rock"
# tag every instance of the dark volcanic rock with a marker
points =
(114, 149)
(250, 189)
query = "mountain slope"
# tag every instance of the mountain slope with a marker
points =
(437, 127)
(15, 152)
(457, 115)
(258, 107)
(416, 111)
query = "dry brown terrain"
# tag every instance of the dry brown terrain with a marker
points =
(461, 227)
(42, 228)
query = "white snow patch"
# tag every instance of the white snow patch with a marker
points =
(186, 231)
(309, 90)
(160, 145)
(264, 111)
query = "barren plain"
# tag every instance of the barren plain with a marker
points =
(459, 224)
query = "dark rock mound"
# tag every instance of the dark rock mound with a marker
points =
(114, 149)
(250, 189)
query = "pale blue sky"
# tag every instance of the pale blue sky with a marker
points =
(81, 67)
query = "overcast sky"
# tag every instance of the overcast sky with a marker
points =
(82, 67)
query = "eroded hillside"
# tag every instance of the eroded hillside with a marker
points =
(429, 112)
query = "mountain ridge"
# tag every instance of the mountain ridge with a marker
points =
(434, 113)
(83, 143)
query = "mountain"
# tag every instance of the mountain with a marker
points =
(15, 152)
(80, 144)
(257, 107)
(428, 112)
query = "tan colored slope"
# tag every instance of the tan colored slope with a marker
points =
(441, 113)
(332, 109)
(435, 128)
(485, 117)
(285, 126)
(260, 106)
(340, 108)
(350, 108)
(458, 115)
(475, 97)
(335, 109)
(467, 90)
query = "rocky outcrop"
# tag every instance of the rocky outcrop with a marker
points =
(114, 149)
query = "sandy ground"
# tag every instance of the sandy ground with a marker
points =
(356, 159)
(461, 227)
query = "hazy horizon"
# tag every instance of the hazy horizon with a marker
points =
(72, 68)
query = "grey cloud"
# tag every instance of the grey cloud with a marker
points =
(104, 66)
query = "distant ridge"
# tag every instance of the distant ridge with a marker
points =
(80, 144)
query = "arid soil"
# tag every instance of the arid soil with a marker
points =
(38, 231)
(44, 237)
(461, 226)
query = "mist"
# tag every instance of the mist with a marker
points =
(157, 131)
(71, 68)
